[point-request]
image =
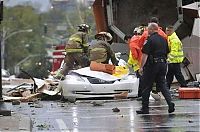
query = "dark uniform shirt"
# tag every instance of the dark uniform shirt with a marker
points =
(156, 47)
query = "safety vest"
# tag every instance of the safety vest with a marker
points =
(176, 49)
(76, 43)
(133, 62)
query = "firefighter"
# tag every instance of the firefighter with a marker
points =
(100, 51)
(175, 57)
(76, 51)
(153, 67)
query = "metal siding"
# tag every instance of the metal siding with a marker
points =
(100, 15)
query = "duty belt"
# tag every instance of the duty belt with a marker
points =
(159, 60)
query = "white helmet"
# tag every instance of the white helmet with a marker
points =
(135, 30)
(104, 34)
(84, 28)
(139, 30)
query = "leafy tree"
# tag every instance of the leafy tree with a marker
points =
(22, 44)
(82, 14)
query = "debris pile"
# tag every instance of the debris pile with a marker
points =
(28, 90)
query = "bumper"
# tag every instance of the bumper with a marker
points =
(82, 88)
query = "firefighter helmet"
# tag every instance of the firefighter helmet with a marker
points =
(107, 35)
(84, 28)
(139, 30)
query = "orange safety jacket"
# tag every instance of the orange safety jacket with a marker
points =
(146, 34)
(135, 54)
(135, 48)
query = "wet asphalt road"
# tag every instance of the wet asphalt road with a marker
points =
(57, 116)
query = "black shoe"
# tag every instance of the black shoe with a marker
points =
(171, 108)
(142, 111)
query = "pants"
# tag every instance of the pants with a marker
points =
(158, 84)
(154, 72)
(174, 69)
(140, 83)
(73, 60)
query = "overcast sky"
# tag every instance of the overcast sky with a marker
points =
(45, 4)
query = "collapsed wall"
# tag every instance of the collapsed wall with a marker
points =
(131, 13)
(127, 14)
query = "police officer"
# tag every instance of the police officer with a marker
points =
(175, 57)
(76, 51)
(153, 67)
(100, 51)
(142, 41)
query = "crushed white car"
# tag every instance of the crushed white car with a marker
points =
(84, 83)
